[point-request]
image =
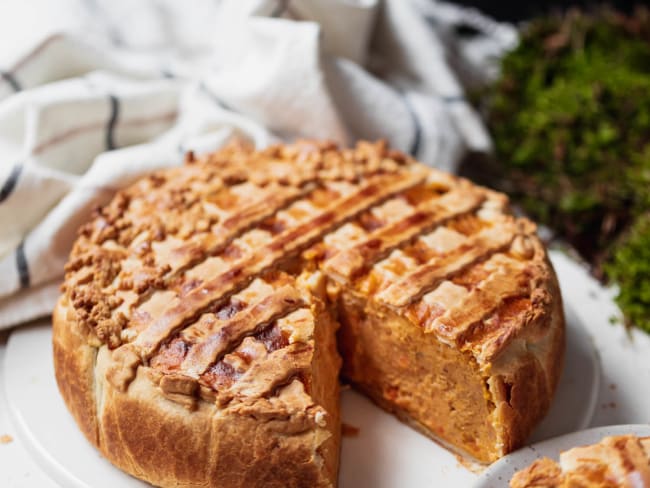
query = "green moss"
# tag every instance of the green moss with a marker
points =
(570, 117)
(630, 268)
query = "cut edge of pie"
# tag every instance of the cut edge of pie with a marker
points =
(194, 341)
(450, 360)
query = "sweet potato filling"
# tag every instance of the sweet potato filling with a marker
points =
(325, 386)
(429, 385)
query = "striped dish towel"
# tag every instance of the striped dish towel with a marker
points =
(95, 93)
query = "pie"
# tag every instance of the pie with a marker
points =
(204, 309)
(615, 462)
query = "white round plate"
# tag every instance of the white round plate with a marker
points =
(42, 420)
(384, 454)
(498, 475)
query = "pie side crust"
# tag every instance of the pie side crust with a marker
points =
(251, 445)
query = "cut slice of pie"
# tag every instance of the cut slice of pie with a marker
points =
(615, 462)
(194, 341)
(450, 314)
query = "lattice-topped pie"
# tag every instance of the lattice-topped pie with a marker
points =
(615, 462)
(195, 341)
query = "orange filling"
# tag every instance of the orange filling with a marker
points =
(430, 385)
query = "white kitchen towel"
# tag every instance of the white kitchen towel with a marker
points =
(94, 93)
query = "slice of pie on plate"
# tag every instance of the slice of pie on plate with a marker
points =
(615, 462)
(195, 341)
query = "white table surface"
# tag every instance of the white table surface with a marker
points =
(624, 395)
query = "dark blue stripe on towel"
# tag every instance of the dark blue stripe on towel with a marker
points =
(280, 9)
(110, 127)
(453, 99)
(210, 94)
(417, 128)
(10, 183)
(21, 265)
(11, 80)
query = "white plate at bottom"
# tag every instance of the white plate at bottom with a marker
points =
(384, 454)
(498, 475)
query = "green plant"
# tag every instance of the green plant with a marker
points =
(570, 117)
(630, 268)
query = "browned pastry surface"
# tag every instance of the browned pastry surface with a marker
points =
(615, 462)
(195, 337)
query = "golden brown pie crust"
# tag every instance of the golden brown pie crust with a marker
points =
(194, 341)
(615, 462)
